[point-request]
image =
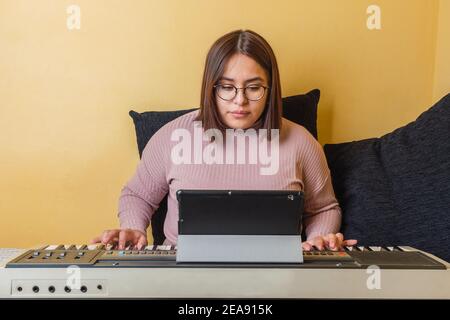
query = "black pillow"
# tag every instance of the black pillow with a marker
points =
(301, 109)
(395, 190)
(147, 123)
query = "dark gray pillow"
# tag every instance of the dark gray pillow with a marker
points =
(301, 109)
(395, 190)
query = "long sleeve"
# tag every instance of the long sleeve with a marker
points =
(141, 196)
(322, 214)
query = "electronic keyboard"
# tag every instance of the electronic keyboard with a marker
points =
(153, 272)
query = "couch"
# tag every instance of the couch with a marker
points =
(393, 189)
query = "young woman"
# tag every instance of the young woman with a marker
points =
(240, 90)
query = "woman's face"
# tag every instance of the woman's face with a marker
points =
(240, 112)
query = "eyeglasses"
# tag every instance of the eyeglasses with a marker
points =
(228, 92)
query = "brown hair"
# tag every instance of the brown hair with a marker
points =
(256, 47)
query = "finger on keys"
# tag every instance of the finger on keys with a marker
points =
(306, 246)
(350, 242)
(318, 243)
(123, 239)
(142, 242)
(340, 241)
(114, 242)
(107, 235)
(331, 240)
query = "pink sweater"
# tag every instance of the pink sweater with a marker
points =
(302, 166)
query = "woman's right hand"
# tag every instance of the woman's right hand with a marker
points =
(122, 238)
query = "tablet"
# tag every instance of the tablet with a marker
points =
(239, 226)
(240, 212)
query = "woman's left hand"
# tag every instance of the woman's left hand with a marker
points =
(331, 241)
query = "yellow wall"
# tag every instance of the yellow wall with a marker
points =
(442, 65)
(67, 144)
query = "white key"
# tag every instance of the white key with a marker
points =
(361, 248)
(109, 247)
(349, 248)
(52, 247)
(390, 248)
(161, 248)
(375, 248)
(406, 248)
(149, 247)
(92, 246)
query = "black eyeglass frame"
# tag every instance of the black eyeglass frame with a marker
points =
(245, 88)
